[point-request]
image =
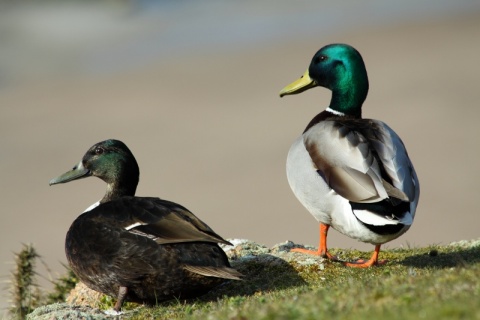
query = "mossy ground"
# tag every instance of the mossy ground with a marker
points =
(436, 282)
(428, 283)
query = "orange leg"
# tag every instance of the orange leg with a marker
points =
(366, 264)
(322, 246)
(323, 252)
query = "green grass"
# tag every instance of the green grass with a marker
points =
(437, 282)
(24, 291)
(428, 283)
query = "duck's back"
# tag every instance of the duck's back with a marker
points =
(106, 253)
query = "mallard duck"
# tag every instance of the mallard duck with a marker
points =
(350, 173)
(139, 249)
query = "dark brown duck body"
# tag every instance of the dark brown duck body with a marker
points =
(106, 256)
(140, 249)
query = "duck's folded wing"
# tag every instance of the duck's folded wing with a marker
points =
(161, 220)
(362, 160)
(217, 272)
(395, 161)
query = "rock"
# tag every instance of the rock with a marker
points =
(466, 243)
(64, 311)
(84, 296)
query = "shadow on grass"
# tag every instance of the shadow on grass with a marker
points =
(458, 257)
(263, 272)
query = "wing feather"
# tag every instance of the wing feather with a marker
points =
(217, 272)
(362, 160)
(160, 220)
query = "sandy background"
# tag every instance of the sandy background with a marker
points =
(198, 106)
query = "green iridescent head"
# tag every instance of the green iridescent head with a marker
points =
(340, 68)
(109, 160)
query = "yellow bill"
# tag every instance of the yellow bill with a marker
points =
(298, 86)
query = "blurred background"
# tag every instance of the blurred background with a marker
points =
(192, 88)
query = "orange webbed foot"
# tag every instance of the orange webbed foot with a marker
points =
(319, 253)
(322, 246)
(361, 263)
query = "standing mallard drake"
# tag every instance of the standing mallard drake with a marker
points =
(350, 173)
(139, 249)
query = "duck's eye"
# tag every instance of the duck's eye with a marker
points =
(99, 150)
(320, 58)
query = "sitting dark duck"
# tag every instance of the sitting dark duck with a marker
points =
(139, 249)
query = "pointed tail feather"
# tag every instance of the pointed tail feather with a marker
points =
(218, 272)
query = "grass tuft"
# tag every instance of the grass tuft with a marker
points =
(62, 287)
(24, 290)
